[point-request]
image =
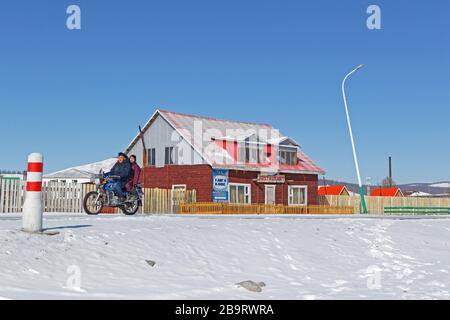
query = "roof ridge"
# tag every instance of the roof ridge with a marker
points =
(213, 118)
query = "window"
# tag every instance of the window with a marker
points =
(298, 195)
(239, 193)
(288, 157)
(170, 155)
(251, 153)
(241, 152)
(151, 156)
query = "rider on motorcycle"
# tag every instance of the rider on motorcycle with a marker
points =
(121, 170)
(135, 176)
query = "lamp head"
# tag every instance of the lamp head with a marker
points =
(359, 67)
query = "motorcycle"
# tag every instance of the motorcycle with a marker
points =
(104, 196)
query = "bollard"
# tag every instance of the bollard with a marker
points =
(32, 208)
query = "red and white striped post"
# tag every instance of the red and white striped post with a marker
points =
(32, 208)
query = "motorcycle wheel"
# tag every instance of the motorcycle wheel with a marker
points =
(89, 205)
(130, 209)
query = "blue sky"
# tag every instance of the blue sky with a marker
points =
(79, 96)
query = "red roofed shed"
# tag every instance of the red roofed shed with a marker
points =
(333, 191)
(386, 192)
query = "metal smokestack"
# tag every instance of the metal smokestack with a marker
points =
(390, 172)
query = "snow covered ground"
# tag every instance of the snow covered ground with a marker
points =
(203, 257)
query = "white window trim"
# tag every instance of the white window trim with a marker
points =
(298, 187)
(267, 186)
(178, 185)
(241, 184)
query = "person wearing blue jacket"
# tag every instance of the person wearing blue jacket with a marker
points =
(122, 170)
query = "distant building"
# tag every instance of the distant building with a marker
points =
(16, 175)
(427, 195)
(386, 192)
(333, 191)
(416, 194)
(80, 174)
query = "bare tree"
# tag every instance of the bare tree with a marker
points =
(388, 182)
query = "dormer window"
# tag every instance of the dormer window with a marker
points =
(288, 157)
(252, 152)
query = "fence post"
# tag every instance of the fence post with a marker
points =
(1, 194)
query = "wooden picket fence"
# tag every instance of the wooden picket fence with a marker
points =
(64, 197)
(56, 196)
(376, 205)
(227, 208)
(68, 197)
(11, 195)
(166, 200)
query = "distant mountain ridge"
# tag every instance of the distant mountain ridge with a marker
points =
(434, 188)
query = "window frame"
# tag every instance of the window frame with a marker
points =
(292, 155)
(249, 192)
(171, 155)
(151, 156)
(291, 195)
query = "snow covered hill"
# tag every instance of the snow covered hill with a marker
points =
(441, 185)
(203, 257)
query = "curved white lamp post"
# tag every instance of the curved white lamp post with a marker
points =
(361, 191)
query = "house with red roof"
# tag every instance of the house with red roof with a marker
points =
(333, 191)
(224, 160)
(386, 192)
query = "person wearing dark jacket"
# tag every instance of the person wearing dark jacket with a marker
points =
(122, 170)
(135, 175)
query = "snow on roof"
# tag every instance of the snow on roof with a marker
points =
(193, 128)
(419, 194)
(84, 171)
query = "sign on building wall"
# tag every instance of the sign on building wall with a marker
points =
(271, 179)
(220, 185)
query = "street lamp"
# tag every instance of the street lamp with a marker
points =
(361, 191)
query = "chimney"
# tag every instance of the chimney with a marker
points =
(390, 172)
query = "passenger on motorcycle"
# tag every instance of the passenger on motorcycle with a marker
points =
(135, 175)
(121, 170)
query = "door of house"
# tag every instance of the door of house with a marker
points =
(270, 194)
